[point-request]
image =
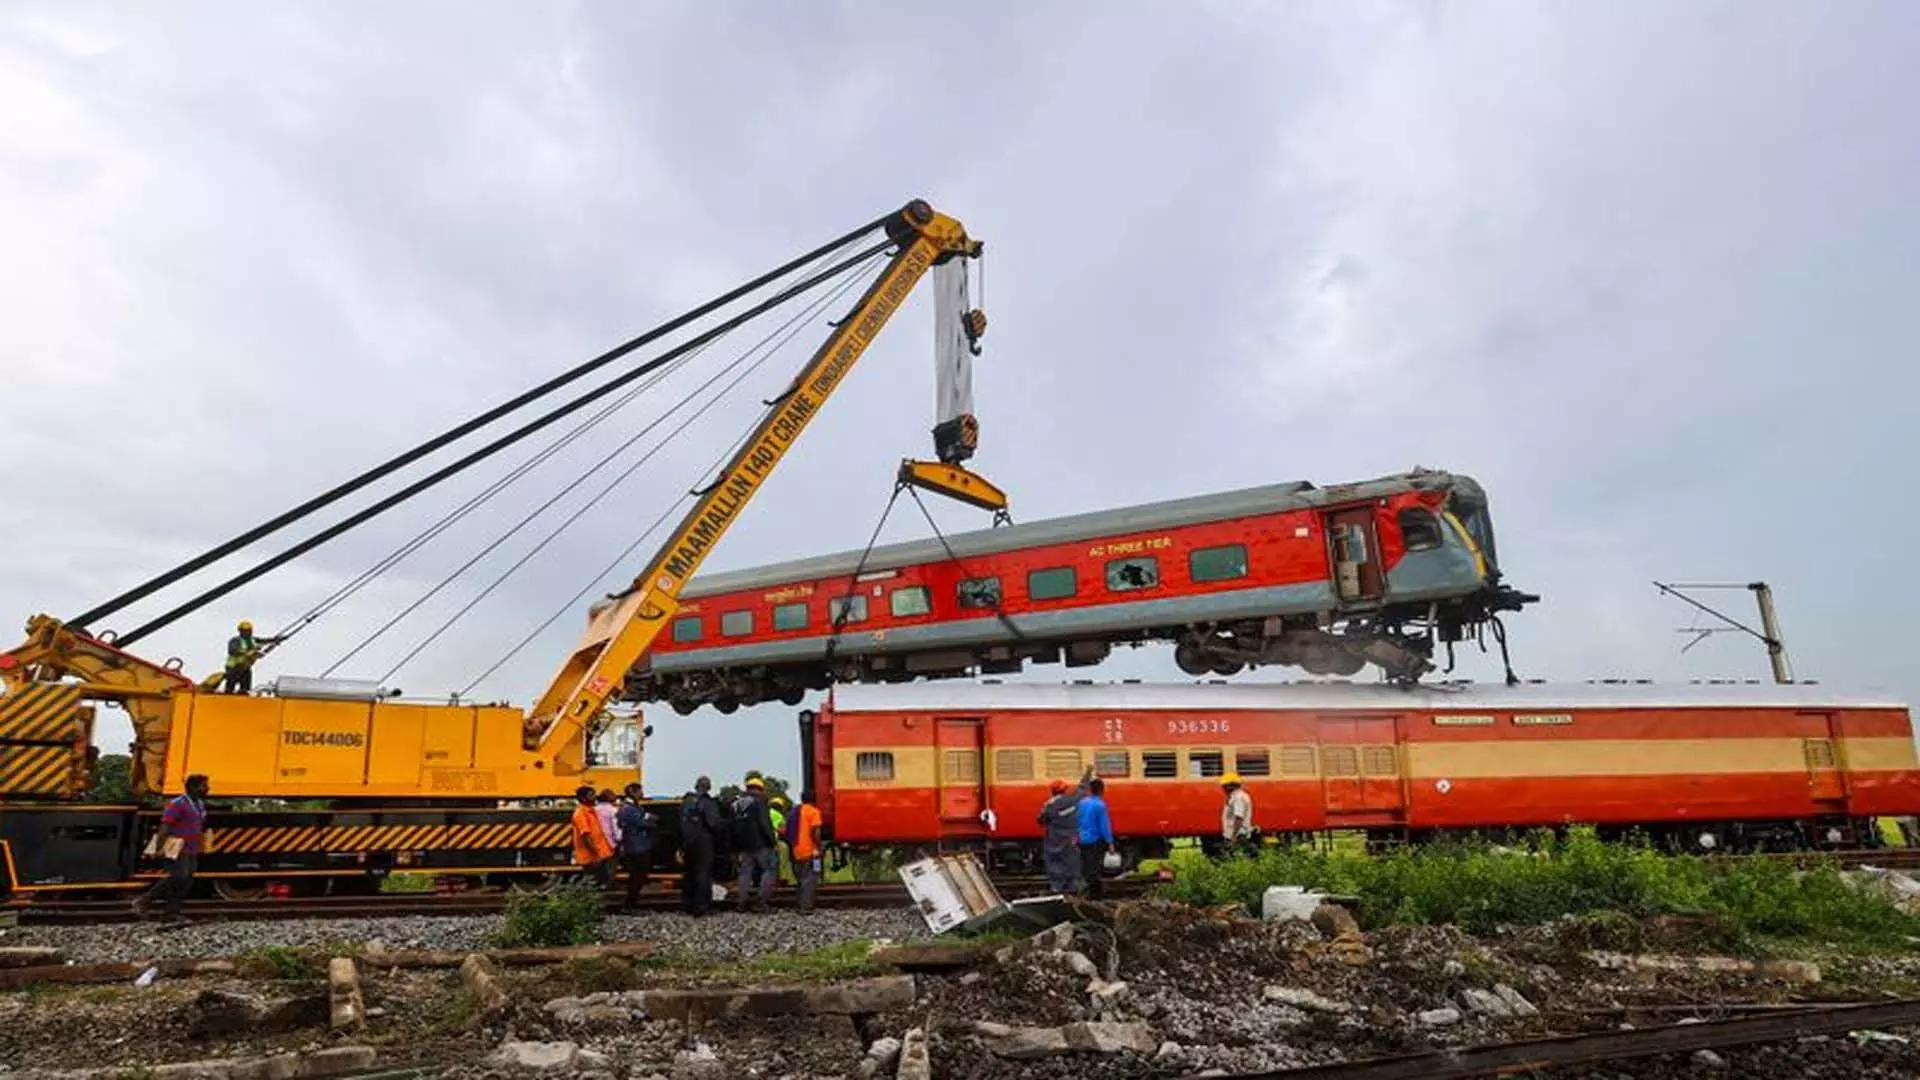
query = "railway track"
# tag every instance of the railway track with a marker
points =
(659, 897)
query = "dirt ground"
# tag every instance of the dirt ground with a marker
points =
(1194, 991)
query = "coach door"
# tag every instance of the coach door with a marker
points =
(1824, 779)
(1353, 555)
(1360, 766)
(963, 793)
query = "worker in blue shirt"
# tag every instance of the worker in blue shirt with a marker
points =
(1096, 836)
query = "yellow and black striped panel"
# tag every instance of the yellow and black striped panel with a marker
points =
(39, 770)
(250, 839)
(41, 712)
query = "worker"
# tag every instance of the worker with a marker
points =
(606, 807)
(699, 828)
(753, 844)
(242, 650)
(777, 810)
(178, 844)
(1236, 814)
(1096, 836)
(591, 849)
(635, 844)
(804, 841)
(1060, 828)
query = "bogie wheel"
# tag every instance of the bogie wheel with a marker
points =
(533, 883)
(239, 890)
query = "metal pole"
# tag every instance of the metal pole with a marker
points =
(1770, 629)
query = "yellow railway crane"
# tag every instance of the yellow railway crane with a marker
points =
(410, 783)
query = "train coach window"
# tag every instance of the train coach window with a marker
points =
(736, 623)
(1112, 763)
(962, 766)
(687, 629)
(1252, 762)
(1051, 584)
(1339, 761)
(1063, 764)
(976, 593)
(909, 600)
(873, 765)
(1296, 761)
(855, 608)
(1160, 764)
(1126, 574)
(1012, 765)
(1206, 763)
(1222, 563)
(790, 616)
(1419, 529)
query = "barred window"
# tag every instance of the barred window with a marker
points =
(1064, 764)
(1206, 763)
(963, 766)
(1013, 764)
(1296, 761)
(1380, 761)
(1160, 764)
(873, 765)
(1112, 763)
(1339, 761)
(1252, 762)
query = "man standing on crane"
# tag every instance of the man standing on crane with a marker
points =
(242, 650)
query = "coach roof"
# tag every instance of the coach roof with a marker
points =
(960, 697)
(1272, 498)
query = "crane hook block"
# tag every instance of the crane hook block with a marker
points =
(954, 482)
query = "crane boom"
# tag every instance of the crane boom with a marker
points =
(620, 632)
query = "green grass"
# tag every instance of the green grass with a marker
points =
(289, 963)
(1478, 888)
(568, 914)
(407, 883)
(843, 960)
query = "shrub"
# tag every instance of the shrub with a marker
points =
(568, 914)
(1478, 887)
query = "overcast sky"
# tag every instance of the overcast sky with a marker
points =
(1647, 270)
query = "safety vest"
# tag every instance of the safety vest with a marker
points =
(242, 651)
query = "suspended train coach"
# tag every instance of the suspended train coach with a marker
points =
(1326, 578)
(1701, 767)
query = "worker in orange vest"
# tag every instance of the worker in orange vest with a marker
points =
(803, 840)
(592, 850)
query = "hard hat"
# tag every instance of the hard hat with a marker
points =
(1230, 779)
(246, 627)
(754, 783)
(1059, 787)
(779, 800)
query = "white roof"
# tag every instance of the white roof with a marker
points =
(954, 695)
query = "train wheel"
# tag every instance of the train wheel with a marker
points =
(1191, 659)
(727, 705)
(239, 890)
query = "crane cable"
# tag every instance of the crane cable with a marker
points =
(786, 335)
(788, 328)
(460, 431)
(494, 447)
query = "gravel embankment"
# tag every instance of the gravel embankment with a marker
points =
(722, 937)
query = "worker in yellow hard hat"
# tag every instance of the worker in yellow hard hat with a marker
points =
(242, 650)
(1236, 815)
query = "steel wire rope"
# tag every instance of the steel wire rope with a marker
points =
(786, 334)
(395, 557)
(419, 540)
(460, 431)
(494, 447)
(792, 323)
(998, 611)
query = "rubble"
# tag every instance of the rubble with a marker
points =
(915, 1063)
(347, 1006)
(1095, 1037)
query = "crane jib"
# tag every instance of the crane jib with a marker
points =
(757, 461)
